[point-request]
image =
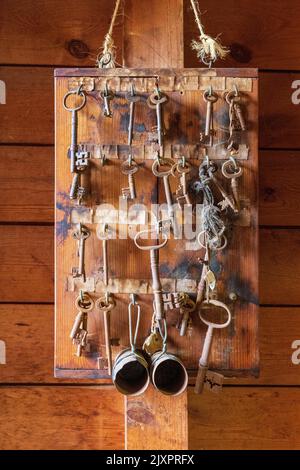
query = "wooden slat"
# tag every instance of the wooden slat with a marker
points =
(31, 327)
(52, 418)
(279, 267)
(279, 116)
(279, 185)
(27, 175)
(26, 270)
(58, 33)
(151, 423)
(245, 418)
(27, 116)
(260, 34)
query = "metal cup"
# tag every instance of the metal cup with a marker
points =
(130, 373)
(168, 373)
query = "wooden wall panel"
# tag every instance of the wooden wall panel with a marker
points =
(55, 32)
(245, 418)
(27, 180)
(279, 188)
(26, 269)
(260, 34)
(71, 418)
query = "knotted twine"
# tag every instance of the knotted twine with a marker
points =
(106, 59)
(208, 49)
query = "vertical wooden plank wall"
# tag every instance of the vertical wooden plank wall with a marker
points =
(260, 413)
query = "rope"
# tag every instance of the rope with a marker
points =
(208, 49)
(107, 57)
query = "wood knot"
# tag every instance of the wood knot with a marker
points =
(240, 53)
(77, 48)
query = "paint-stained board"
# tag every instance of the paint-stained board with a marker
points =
(235, 351)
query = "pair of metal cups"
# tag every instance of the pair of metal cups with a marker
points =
(132, 372)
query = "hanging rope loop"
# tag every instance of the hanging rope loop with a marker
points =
(106, 59)
(208, 49)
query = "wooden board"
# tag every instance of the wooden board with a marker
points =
(249, 31)
(61, 418)
(27, 184)
(67, 33)
(151, 418)
(175, 263)
(245, 418)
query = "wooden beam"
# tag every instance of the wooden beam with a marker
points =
(154, 40)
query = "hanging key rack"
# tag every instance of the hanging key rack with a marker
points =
(144, 137)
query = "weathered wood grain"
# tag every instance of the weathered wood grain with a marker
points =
(249, 31)
(55, 32)
(27, 184)
(152, 424)
(26, 270)
(27, 116)
(57, 418)
(245, 418)
(279, 188)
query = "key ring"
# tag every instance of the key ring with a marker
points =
(216, 303)
(168, 162)
(204, 244)
(78, 92)
(81, 234)
(209, 95)
(231, 163)
(131, 306)
(105, 304)
(180, 169)
(129, 166)
(84, 302)
(150, 247)
(105, 235)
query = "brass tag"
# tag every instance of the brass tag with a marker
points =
(153, 343)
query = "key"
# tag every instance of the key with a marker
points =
(133, 99)
(155, 100)
(232, 171)
(79, 331)
(81, 235)
(74, 111)
(233, 99)
(104, 236)
(78, 191)
(228, 201)
(204, 359)
(107, 96)
(187, 306)
(182, 168)
(128, 168)
(154, 263)
(105, 305)
(210, 98)
(168, 163)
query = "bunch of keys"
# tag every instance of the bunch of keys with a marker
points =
(236, 117)
(79, 332)
(186, 306)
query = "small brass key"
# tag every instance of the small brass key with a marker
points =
(79, 331)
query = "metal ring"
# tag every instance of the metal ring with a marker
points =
(74, 92)
(180, 169)
(105, 235)
(219, 248)
(232, 97)
(234, 174)
(84, 233)
(212, 97)
(216, 303)
(84, 305)
(129, 168)
(105, 305)
(155, 99)
(151, 247)
(163, 161)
